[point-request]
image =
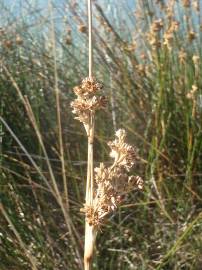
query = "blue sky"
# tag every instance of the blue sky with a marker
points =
(25, 11)
(14, 5)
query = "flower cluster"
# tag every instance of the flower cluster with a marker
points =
(124, 154)
(170, 34)
(192, 93)
(113, 182)
(88, 100)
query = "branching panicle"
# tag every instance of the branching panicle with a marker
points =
(88, 100)
(113, 182)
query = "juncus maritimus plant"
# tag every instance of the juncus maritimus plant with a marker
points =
(105, 186)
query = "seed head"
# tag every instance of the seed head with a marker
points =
(91, 86)
(82, 28)
(113, 182)
(88, 100)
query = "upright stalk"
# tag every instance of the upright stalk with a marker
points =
(90, 48)
(111, 183)
(90, 232)
(58, 111)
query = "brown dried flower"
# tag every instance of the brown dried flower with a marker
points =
(196, 59)
(157, 25)
(168, 39)
(135, 181)
(68, 40)
(123, 153)
(18, 40)
(2, 31)
(8, 44)
(88, 100)
(113, 182)
(81, 109)
(182, 56)
(196, 5)
(91, 86)
(191, 94)
(174, 26)
(82, 28)
(186, 3)
(153, 35)
(191, 36)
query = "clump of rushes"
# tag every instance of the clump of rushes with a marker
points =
(112, 182)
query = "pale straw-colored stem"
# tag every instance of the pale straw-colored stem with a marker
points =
(90, 236)
(91, 162)
(90, 231)
(58, 110)
(90, 48)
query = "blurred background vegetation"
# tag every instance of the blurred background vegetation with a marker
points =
(148, 56)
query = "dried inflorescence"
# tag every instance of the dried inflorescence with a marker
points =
(113, 182)
(182, 55)
(124, 154)
(170, 34)
(192, 36)
(153, 36)
(88, 100)
(192, 93)
(186, 3)
(82, 28)
(157, 25)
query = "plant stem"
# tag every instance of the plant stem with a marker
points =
(90, 231)
(90, 236)
(58, 111)
(90, 48)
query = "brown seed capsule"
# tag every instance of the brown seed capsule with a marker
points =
(186, 3)
(82, 28)
(8, 44)
(191, 36)
(2, 31)
(68, 41)
(18, 40)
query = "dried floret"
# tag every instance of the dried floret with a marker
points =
(90, 85)
(87, 101)
(113, 182)
(123, 153)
